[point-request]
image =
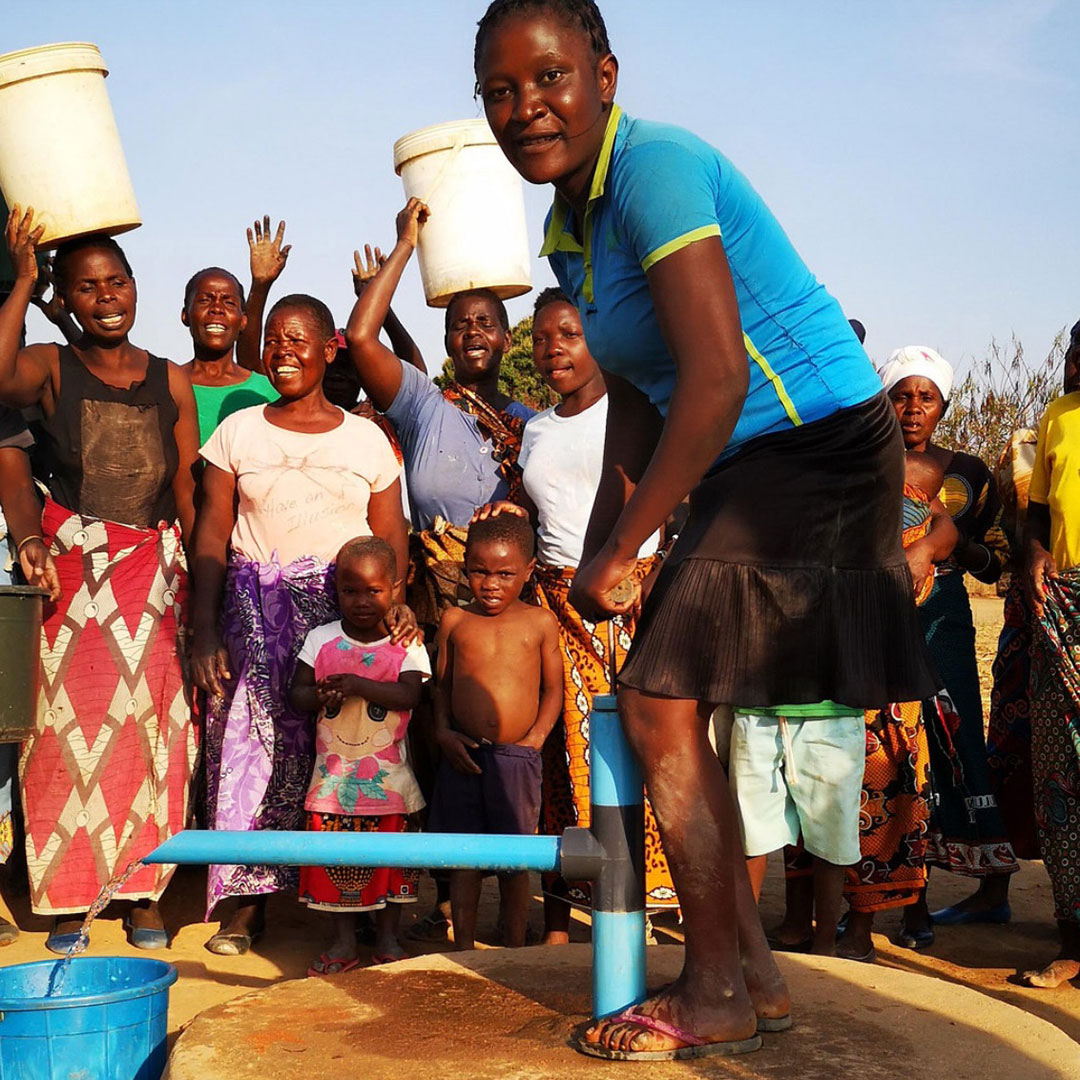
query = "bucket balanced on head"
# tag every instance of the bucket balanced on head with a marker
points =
(59, 148)
(476, 236)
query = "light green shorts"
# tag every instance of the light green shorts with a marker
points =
(792, 775)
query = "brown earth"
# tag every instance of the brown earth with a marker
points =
(503, 1014)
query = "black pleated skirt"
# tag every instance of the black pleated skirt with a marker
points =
(788, 584)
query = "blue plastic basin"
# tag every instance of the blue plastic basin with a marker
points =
(108, 1022)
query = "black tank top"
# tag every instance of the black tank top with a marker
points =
(110, 452)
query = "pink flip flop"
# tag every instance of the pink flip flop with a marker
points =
(693, 1045)
(332, 965)
(378, 959)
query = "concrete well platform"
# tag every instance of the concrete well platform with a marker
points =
(509, 1013)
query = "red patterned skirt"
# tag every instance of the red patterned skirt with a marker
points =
(356, 888)
(105, 776)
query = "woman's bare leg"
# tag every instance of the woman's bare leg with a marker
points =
(696, 815)
(756, 866)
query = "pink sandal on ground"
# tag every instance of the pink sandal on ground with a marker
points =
(693, 1046)
(332, 965)
(379, 958)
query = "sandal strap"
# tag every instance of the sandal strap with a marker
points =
(652, 1023)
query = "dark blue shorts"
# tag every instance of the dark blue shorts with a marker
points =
(503, 799)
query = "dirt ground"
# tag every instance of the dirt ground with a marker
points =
(985, 958)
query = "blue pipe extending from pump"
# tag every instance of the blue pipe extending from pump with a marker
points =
(610, 854)
(418, 851)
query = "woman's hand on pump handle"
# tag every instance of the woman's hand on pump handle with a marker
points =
(604, 587)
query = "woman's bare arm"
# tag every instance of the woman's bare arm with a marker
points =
(186, 433)
(213, 527)
(696, 308)
(24, 373)
(386, 519)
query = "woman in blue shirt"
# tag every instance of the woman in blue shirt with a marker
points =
(788, 584)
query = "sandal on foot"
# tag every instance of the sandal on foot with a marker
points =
(774, 1023)
(333, 965)
(693, 1046)
(146, 937)
(868, 957)
(432, 929)
(379, 958)
(62, 944)
(9, 932)
(956, 916)
(222, 944)
(915, 939)
(777, 945)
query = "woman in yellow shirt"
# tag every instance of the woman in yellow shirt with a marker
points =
(1053, 572)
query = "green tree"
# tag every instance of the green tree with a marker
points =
(1002, 393)
(518, 377)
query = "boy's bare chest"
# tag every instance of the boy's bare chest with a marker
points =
(515, 643)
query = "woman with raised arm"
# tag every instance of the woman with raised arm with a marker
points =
(788, 584)
(105, 775)
(460, 445)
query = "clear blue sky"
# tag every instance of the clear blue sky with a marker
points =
(924, 157)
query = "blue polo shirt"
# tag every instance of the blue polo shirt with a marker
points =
(656, 189)
(449, 467)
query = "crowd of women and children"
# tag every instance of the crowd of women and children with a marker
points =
(398, 595)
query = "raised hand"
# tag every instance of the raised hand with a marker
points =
(364, 272)
(410, 220)
(268, 257)
(22, 240)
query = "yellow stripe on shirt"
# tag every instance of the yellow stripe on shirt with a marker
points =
(664, 250)
(777, 382)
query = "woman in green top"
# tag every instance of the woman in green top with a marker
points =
(214, 312)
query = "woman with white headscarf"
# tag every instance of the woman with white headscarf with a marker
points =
(967, 833)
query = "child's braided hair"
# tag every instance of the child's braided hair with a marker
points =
(583, 13)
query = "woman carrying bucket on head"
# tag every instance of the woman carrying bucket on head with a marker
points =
(776, 426)
(460, 445)
(105, 776)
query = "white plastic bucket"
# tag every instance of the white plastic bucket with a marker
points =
(60, 151)
(476, 236)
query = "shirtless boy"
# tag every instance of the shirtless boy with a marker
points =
(498, 696)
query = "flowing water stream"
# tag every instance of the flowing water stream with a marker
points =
(110, 888)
